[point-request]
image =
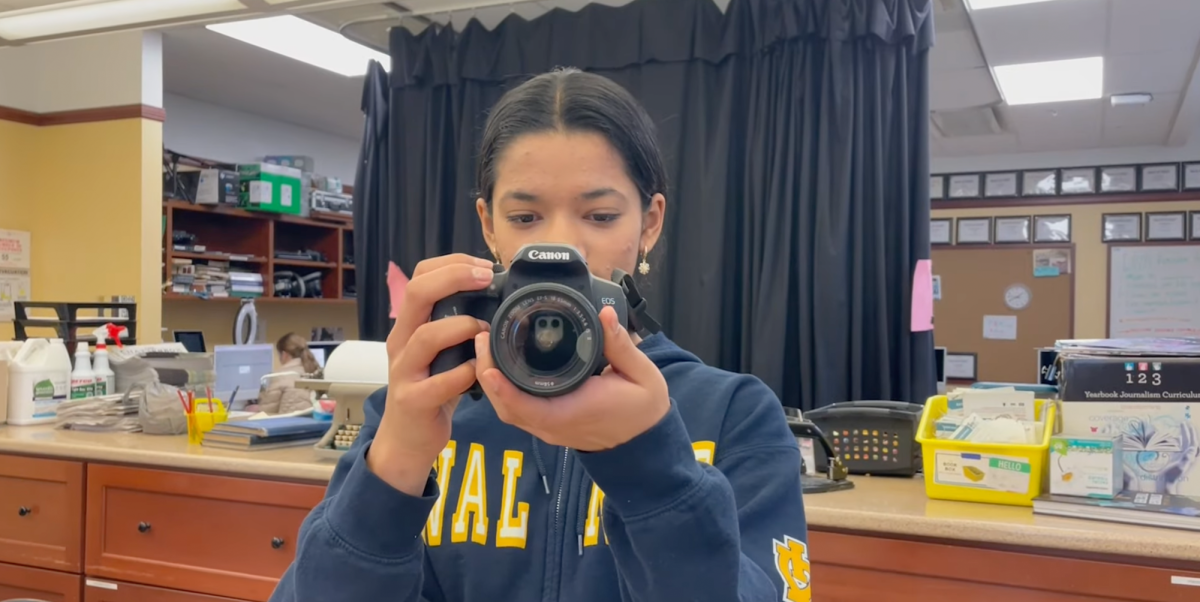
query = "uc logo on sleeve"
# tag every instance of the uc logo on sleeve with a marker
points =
(791, 560)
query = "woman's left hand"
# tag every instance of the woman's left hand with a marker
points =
(624, 401)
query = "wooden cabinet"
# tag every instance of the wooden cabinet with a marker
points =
(21, 583)
(215, 535)
(41, 513)
(96, 590)
(852, 568)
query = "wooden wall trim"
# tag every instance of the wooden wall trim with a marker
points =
(1069, 199)
(19, 116)
(83, 115)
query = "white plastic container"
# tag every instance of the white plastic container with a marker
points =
(105, 379)
(39, 378)
(83, 379)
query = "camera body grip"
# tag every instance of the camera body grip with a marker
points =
(474, 304)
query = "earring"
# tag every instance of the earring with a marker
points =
(495, 256)
(644, 266)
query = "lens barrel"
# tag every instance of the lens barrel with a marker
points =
(546, 339)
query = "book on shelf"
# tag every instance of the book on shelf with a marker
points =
(213, 278)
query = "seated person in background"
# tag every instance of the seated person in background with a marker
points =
(281, 395)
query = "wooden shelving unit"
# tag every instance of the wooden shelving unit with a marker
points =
(250, 239)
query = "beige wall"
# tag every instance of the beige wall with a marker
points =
(1091, 256)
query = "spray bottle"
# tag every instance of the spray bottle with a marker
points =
(105, 383)
(83, 379)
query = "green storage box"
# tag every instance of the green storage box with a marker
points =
(267, 187)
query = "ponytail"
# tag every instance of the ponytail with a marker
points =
(295, 346)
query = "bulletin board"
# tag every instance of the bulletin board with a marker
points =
(973, 285)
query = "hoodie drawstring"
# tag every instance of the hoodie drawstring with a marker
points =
(541, 466)
(585, 500)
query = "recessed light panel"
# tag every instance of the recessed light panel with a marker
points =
(1051, 81)
(303, 41)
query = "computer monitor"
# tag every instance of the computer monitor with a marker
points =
(322, 350)
(242, 367)
(192, 340)
(939, 363)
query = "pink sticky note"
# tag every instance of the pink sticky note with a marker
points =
(396, 281)
(922, 296)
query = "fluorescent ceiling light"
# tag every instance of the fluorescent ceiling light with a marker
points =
(89, 16)
(1051, 81)
(982, 4)
(296, 38)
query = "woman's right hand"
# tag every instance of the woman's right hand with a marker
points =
(415, 426)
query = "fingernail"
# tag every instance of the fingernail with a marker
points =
(486, 263)
(484, 326)
(482, 275)
(478, 347)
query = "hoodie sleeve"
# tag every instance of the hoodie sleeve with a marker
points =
(363, 541)
(738, 527)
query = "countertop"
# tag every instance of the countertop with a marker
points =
(892, 506)
(293, 463)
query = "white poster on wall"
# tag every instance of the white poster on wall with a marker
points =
(14, 271)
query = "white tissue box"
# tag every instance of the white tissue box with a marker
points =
(1085, 466)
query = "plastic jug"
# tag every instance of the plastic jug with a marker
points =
(39, 378)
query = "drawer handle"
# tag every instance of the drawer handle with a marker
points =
(143, 527)
(25, 511)
(276, 542)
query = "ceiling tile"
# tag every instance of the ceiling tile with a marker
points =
(977, 145)
(1142, 26)
(1056, 126)
(1045, 31)
(1140, 125)
(955, 51)
(959, 89)
(1148, 72)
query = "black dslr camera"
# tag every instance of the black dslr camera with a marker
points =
(544, 312)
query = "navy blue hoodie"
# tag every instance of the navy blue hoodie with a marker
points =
(703, 506)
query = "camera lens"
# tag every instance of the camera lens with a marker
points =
(545, 339)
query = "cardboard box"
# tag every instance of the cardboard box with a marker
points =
(218, 187)
(267, 187)
(1086, 466)
(1152, 404)
(301, 162)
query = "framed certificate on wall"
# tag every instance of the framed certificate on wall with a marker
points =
(974, 230)
(939, 231)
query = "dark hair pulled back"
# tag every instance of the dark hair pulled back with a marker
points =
(572, 100)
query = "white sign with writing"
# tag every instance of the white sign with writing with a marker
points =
(14, 271)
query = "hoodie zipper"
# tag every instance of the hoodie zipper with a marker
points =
(562, 485)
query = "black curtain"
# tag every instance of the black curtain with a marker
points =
(374, 227)
(796, 135)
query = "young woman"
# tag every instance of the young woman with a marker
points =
(661, 479)
(281, 395)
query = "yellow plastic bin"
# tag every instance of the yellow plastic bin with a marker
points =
(992, 473)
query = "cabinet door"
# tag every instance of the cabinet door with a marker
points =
(221, 536)
(24, 583)
(98, 590)
(41, 512)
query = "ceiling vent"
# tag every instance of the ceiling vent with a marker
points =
(973, 121)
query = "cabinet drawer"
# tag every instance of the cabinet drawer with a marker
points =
(857, 567)
(24, 583)
(222, 536)
(41, 512)
(99, 590)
